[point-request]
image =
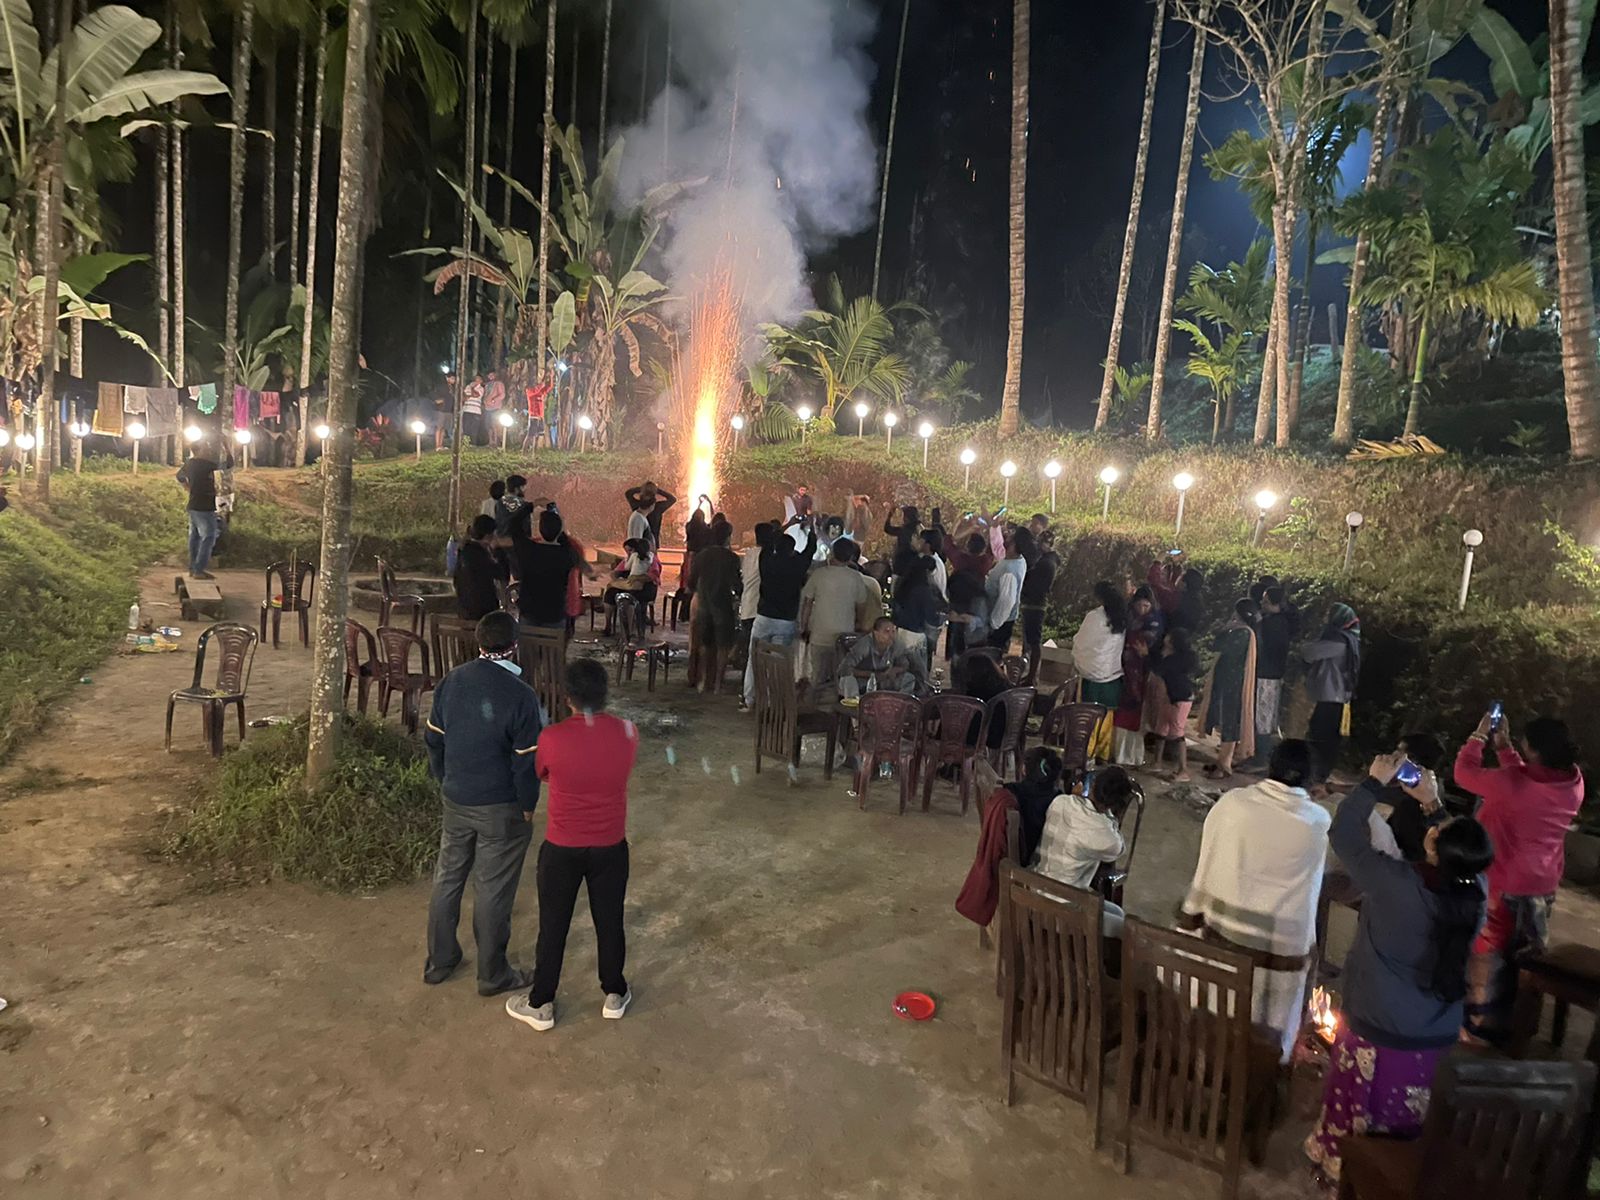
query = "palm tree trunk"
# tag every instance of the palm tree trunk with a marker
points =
(319, 95)
(179, 310)
(298, 144)
(476, 179)
(605, 80)
(498, 356)
(888, 148)
(1130, 236)
(269, 188)
(163, 267)
(572, 98)
(540, 305)
(242, 38)
(1579, 368)
(1180, 202)
(1414, 409)
(327, 679)
(422, 300)
(1266, 392)
(48, 453)
(1302, 349)
(463, 308)
(1011, 396)
(1283, 242)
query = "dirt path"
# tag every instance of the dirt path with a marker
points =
(276, 1041)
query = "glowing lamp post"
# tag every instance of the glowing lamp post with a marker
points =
(322, 433)
(804, 413)
(1183, 481)
(136, 431)
(26, 442)
(1354, 521)
(1109, 477)
(79, 431)
(1007, 470)
(5, 439)
(1265, 500)
(585, 424)
(925, 432)
(738, 427)
(242, 436)
(889, 422)
(193, 433)
(1052, 472)
(1471, 539)
(862, 409)
(418, 428)
(968, 457)
(506, 420)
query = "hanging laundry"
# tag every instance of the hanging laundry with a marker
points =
(135, 399)
(241, 408)
(269, 405)
(205, 398)
(161, 418)
(108, 416)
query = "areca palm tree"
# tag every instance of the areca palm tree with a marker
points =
(888, 146)
(243, 39)
(1579, 368)
(1011, 395)
(1237, 300)
(1219, 364)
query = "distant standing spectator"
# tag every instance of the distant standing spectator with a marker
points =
(477, 572)
(1334, 659)
(491, 506)
(1275, 638)
(472, 411)
(783, 571)
(1180, 592)
(542, 570)
(1097, 654)
(717, 585)
(647, 504)
(1230, 695)
(199, 475)
(1004, 589)
(1171, 683)
(834, 602)
(1036, 585)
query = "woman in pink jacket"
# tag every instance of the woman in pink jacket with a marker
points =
(1529, 802)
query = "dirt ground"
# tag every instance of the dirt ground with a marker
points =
(161, 1041)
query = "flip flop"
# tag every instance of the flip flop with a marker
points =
(1211, 772)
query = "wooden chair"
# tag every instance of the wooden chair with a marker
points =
(1495, 1130)
(390, 598)
(1184, 1079)
(357, 670)
(1014, 703)
(632, 642)
(297, 581)
(236, 652)
(1111, 879)
(1056, 1004)
(781, 720)
(888, 725)
(1070, 728)
(455, 641)
(542, 655)
(1569, 974)
(948, 736)
(395, 674)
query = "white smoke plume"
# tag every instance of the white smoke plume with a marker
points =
(769, 105)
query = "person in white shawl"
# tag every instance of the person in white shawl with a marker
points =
(1097, 656)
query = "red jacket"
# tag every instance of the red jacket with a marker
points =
(1527, 810)
(980, 894)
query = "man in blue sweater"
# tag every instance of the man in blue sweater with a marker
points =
(481, 736)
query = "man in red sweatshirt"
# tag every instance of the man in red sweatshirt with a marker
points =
(585, 761)
(1529, 801)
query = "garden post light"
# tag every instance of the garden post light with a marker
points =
(925, 431)
(322, 432)
(661, 438)
(1471, 539)
(1265, 500)
(136, 431)
(1353, 520)
(889, 420)
(1109, 477)
(25, 443)
(1183, 481)
(193, 433)
(968, 457)
(242, 436)
(585, 424)
(79, 431)
(862, 409)
(1007, 470)
(1052, 472)
(738, 427)
(506, 420)
(804, 413)
(418, 428)
(5, 438)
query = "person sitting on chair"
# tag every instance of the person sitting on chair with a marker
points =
(880, 663)
(1083, 832)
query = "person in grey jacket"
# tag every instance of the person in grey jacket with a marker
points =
(1405, 977)
(481, 735)
(1333, 668)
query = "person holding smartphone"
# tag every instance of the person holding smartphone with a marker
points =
(1528, 804)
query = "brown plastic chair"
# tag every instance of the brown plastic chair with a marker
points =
(236, 651)
(1111, 879)
(1014, 703)
(1070, 728)
(781, 719)
(1015, 668)
(357, 670)
(455, 641)
(887, 734)
(390, 598)
(632, 643)
(1495, 1130)
(297, 581)
(959, 666)
(542, 655)
(1056, 1004)
(395, 674)
(947, 736)
(1184, 1082)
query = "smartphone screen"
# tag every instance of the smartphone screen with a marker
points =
(1174, 553)
(1409, 774)
(1497, 714)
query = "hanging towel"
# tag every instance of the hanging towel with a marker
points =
(269, 405)
(206, 399)
(241, 408)
(108, 416)
(161, 419)
(135, 399)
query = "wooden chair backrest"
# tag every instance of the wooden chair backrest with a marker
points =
(1069, 728)
(1186, 1037)
(1511, 1130)
(396, 646)
(542, 655)
(236, 652)
(355, 634)
(1054, 990)
(777, 705)
(455, 641)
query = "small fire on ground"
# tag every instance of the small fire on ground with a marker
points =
(1324, 1017)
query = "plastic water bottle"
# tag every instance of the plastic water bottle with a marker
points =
(133, 618)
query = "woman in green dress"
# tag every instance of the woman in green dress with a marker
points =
(1230, 694)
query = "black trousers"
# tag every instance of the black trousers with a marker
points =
(1000, 638)
(1325, 738)
(561, 869)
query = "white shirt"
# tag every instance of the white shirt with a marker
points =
(940, 575)
(487, 507)
(639, 526)
(1077, 838)
(1097, 648)
(1004, 587)
(472, 398)
(750, 574)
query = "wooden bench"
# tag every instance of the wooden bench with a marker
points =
(198, 598)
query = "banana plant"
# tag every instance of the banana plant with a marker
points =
(1519, 73)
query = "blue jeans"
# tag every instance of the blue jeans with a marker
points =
(766, 629)
(202, 537)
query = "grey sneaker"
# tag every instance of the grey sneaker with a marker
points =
(541, 1018)
(616, 1006)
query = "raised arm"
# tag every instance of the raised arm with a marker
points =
(1379, 876)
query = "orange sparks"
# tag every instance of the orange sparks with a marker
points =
(705, 386)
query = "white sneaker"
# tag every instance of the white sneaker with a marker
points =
(616, 1006)
(541, 1018)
